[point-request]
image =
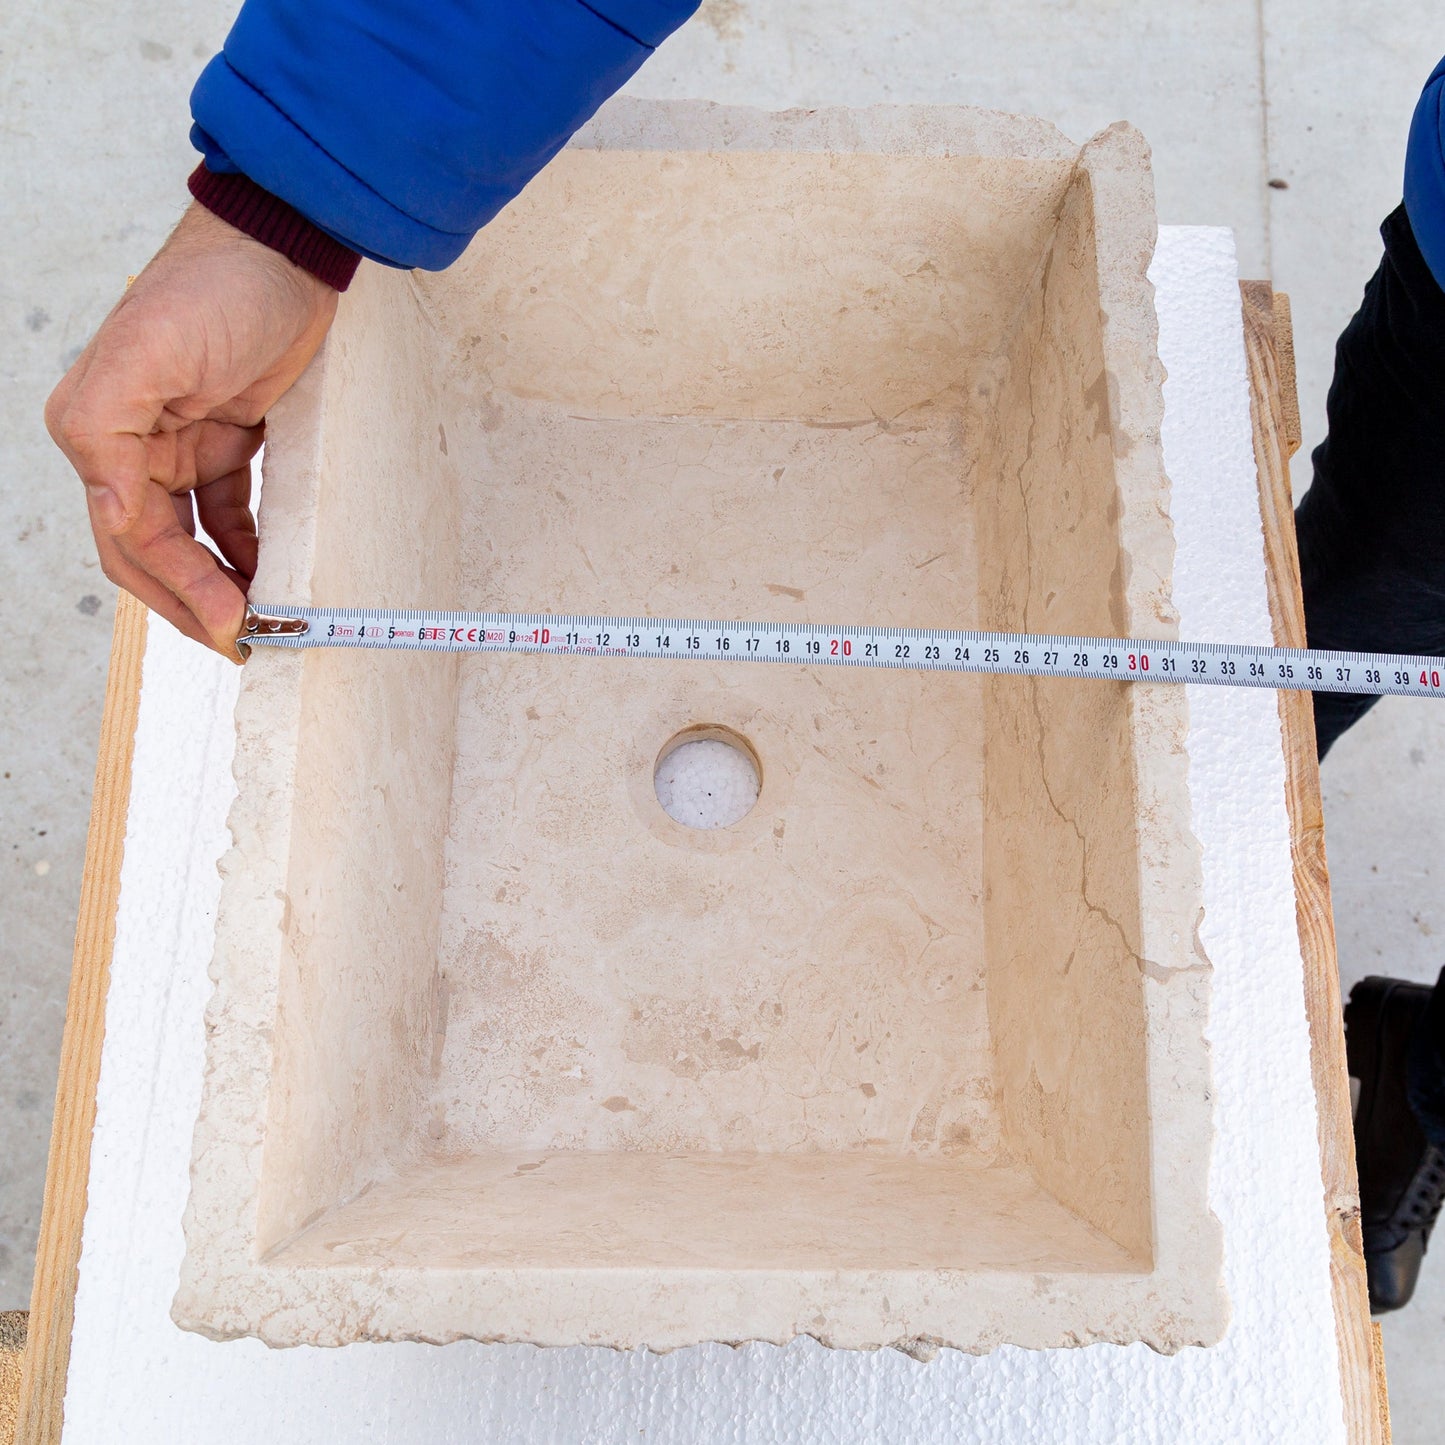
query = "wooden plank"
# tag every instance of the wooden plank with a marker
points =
(52, 1299)
(12, 1353)
(1290, 429)
(1275, 417)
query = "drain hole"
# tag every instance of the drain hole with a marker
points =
(707, 777)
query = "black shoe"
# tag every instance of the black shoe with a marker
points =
(1402, 1175)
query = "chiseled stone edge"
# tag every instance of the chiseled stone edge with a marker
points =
(1192, 1307)
(626, 123)
(227, 1147)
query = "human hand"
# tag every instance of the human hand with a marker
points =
(163, 411)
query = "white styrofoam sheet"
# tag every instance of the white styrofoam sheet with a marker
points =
(134, 1377)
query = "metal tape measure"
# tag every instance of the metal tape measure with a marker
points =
(915, 649)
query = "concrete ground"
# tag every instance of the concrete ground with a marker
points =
(1283, 119)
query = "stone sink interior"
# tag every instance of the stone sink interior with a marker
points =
(894, 1019)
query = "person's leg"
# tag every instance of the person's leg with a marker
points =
(1372, 559)
(1372, 525)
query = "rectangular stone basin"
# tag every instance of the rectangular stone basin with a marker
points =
(913, 1054)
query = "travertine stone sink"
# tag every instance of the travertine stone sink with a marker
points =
(913, 1054)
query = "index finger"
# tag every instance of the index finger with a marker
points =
(155, 546)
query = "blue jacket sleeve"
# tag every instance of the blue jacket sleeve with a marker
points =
(402, 128)
(1425, 174)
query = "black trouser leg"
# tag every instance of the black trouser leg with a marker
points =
(1372, 526)
(1425, 1080)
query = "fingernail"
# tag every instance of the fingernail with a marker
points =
(106, 507)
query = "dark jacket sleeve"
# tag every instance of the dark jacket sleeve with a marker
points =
(1425, 174)
(401, 128)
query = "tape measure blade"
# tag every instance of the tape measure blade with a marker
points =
(812, 644)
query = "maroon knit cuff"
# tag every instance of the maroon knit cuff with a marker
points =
(240, 202)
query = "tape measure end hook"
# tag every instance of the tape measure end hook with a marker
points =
(261, 624)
